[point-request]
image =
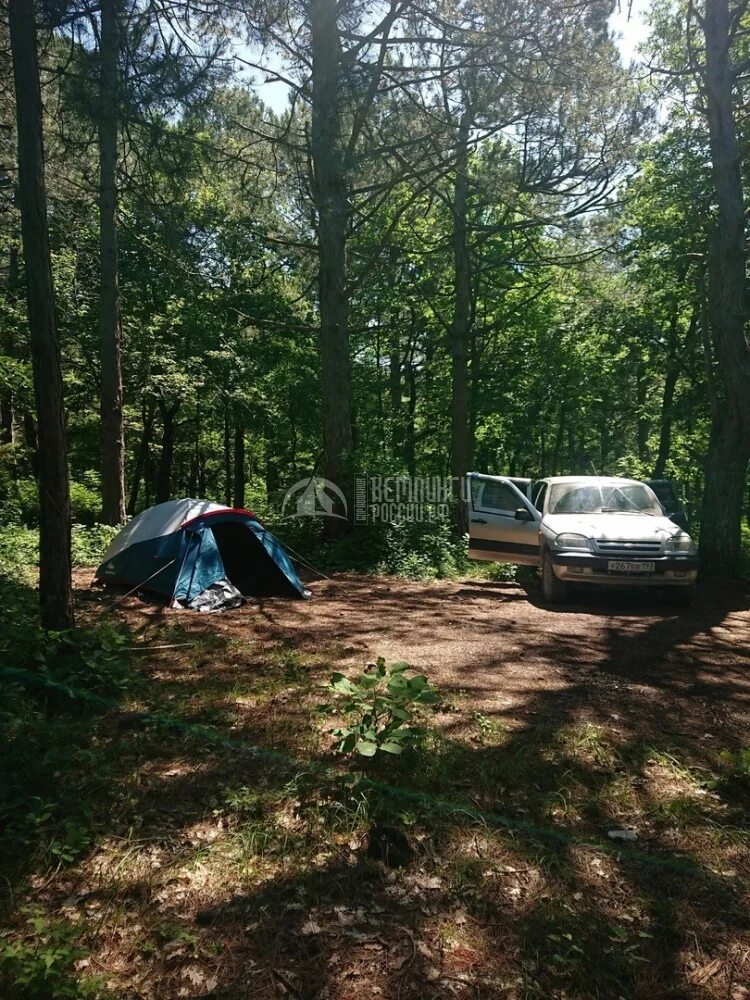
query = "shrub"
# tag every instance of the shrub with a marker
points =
(90, 542)
(19, 552)
(40, 964)
(381, 707)
(19, 548)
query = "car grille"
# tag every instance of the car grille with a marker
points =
(615, 547)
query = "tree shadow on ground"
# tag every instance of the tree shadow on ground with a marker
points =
(211, 862)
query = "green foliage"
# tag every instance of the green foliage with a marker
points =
(737, 766)
(20, 499)
(43, 712)
(417, 551)
(90, 542)
(78, 659)
(19, 548)
(381, 707)
(19, 552)
(40, 964)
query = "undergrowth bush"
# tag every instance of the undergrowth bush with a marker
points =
(380, 708)
(416, 551)
(19, 500)
(53, 685)
(41, 964)
(19, 548)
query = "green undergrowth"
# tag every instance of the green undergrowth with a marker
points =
(19, 548)
(415, 551)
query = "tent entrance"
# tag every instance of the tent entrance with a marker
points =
(247, 564)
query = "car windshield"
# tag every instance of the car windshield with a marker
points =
(603, 498)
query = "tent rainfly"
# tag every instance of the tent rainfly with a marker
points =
(200, 555)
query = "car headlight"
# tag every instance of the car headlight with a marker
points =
(681, 545)
(567, 540)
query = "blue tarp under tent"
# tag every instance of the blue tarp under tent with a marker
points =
(200, 555)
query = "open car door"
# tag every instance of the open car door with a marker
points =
(503, 523)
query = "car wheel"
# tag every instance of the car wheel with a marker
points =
(555, 591)
(681, 597)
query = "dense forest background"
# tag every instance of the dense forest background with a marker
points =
(473, 239)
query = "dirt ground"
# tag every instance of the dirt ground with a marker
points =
(216, 874)
(628, 661)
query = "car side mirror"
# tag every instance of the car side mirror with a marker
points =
(522, 514)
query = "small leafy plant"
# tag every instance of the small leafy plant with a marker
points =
(736, 765)
(40, 964)
(381, 707)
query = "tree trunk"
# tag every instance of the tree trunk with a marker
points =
(394, 384)
(7, 414)
(31, 441)
(410, 451)
(141, 457)
(227, 455)
(458, 338)
(642, 425)
(729, 443)
(667, 402)
(239, 458)
(557, 450)
(166, 460)
(55, 590)
(721, 517)
(331, 201)
(110, 333)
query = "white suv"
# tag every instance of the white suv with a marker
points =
(581, 529)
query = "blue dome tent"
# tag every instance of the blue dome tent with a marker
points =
(201, 555)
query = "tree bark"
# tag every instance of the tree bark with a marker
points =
(7, 408)
(458, 337)
(239, 459)
(110, 332)
(166, 460)
(642, 425)
(141, 457)
(729, 443)
(227, 454)
(667, 403)
(55, 590)
(394, 383)
(331, 201)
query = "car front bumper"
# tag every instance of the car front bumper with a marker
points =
(584, 567)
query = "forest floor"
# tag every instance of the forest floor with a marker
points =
(215, 871)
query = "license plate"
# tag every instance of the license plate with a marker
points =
(622, 566)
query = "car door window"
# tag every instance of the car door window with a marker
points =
(495, 498)
(539, 495)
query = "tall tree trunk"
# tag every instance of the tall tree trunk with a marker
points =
(331, 202)
(227, 455)
(110, 333)
(729, 443)
(7, 414)
(141, 457)
(410, 450)
(642, 425)
(239, 458)
(394, 384)
(667, 402)
(166, 460)
(55, 590)
(31, 441)
(557, 450)
(458, 337)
